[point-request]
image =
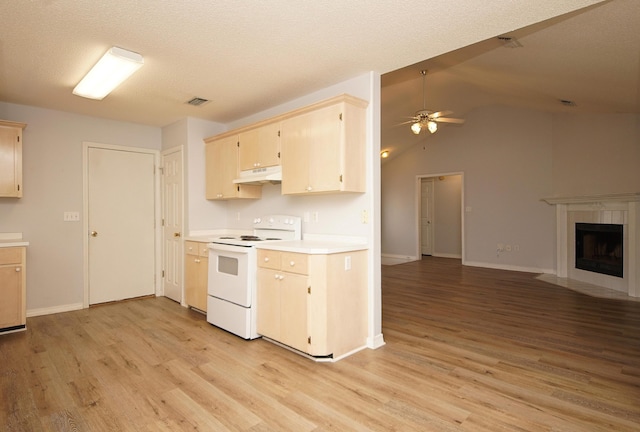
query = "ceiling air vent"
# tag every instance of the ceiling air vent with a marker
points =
(509, 42)
(196, 101)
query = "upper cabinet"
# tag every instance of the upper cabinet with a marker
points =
(221, 159)
(11, 158)
(320, 148)
(259, 147)
(323, 148)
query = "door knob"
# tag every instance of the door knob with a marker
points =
(176, 234)
(94, 233)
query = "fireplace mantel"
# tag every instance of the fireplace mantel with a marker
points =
(594, 199)
(622, 208)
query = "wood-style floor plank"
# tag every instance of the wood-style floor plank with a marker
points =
(467, 349)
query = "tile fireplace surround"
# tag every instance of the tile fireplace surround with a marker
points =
(610, 209)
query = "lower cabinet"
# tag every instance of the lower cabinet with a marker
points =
(196, 267)
(13, 311)
(313, 303)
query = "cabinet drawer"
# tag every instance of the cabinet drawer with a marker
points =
(295, 263)
(203, 250)
(10, 255)
(269, 259)
(191, 248)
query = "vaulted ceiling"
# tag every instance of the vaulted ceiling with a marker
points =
(590, 57)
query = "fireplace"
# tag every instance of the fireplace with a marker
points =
(599, 248)
(621, 209)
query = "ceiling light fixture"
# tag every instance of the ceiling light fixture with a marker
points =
(426, 119)
(111, 70)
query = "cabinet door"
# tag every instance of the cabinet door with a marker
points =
(293, 307)
(200, 297)
(312, 151)
(11, 307)
(213, 170)
(268, 303)
(260, 147)
(10, 161)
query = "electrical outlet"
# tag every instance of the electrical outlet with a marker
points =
(365, 217)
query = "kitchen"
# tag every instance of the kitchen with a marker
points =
(54, 296)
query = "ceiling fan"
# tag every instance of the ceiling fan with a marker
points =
(427, 119)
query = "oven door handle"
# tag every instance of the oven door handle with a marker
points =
(229, 248)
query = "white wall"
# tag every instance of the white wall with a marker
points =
(596, 154)
(447, 218)
(505, 155)
(52, 175)
(511, 158)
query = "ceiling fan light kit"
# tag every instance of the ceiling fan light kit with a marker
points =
(426, 119)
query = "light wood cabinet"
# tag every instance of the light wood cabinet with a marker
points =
(259, 147)
(313, 303)
(13, 313)
(221, 168)
(196, 268)
(11, 158)
(323, 148)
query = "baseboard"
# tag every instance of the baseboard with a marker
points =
(446, 255)
(389, 259)
(54, 309)
(375, 342)
(509, 267)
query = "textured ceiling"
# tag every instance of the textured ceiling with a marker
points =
(244, 56)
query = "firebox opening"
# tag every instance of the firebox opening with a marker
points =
(599, 248)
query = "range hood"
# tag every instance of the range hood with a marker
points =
(272, 174)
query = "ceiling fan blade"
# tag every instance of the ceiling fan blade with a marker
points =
(406, 122)
(449, 120)
(439, 114)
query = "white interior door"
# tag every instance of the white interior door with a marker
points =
(172, 224)
(426, 216)
(121, 213)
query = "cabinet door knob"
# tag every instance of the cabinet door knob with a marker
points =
(292, 263)
(266, 259)
(176, 234)
(94, 233)
(18, 269)
(196, 260)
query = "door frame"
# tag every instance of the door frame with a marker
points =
(418, 208)
(86, 145)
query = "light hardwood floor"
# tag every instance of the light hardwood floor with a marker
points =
(467, 349)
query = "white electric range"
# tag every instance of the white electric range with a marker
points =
(231, 301)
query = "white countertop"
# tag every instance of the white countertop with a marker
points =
(314, 247)
(12, 240)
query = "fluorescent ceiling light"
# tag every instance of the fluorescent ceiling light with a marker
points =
(111, 70)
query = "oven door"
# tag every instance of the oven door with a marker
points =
(231, 273)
